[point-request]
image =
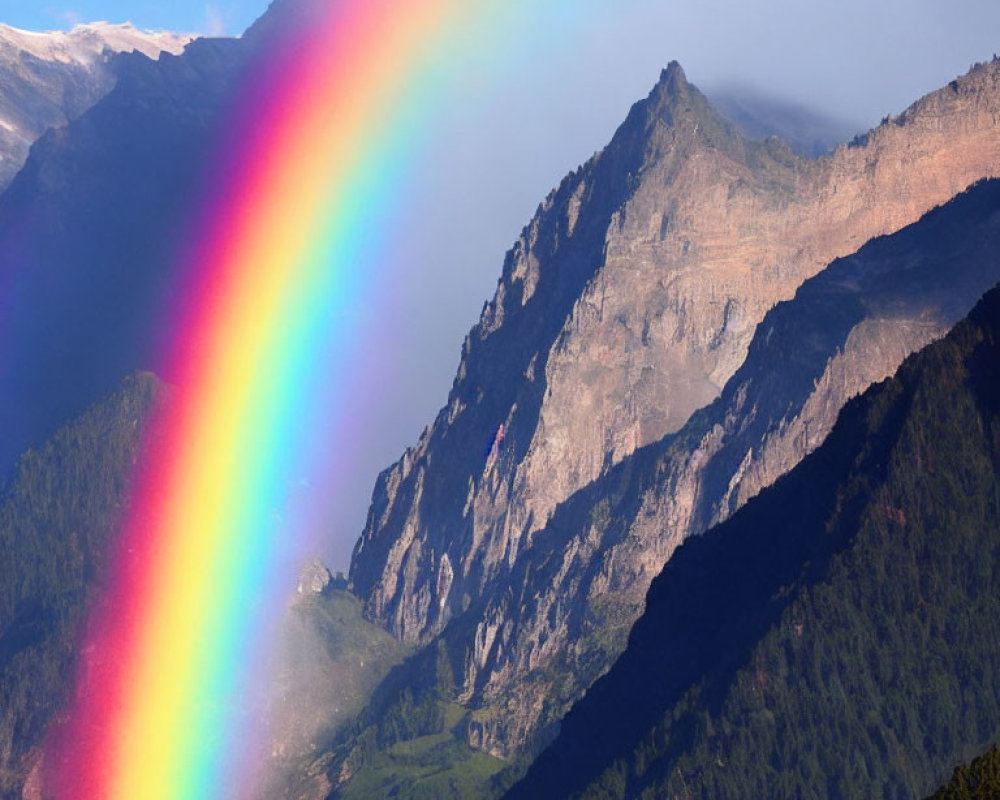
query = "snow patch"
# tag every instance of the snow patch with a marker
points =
(85, 44)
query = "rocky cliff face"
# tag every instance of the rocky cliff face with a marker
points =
(628, 303)
(48, 79)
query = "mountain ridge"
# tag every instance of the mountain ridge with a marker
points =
(868, 634)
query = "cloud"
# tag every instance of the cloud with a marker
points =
(65, 16)
(215, 25)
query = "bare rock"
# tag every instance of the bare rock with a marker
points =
(315, 578)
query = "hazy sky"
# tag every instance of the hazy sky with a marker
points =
(547, 99)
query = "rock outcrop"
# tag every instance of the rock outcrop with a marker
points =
(315, 578)
(627, 304)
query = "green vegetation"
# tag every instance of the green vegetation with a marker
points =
(331, 659)
(410, 741)
(356, 655)
(838, 637)
(428, 767)
(57, 517)
(979, 780)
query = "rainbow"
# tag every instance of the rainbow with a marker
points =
(283, 259)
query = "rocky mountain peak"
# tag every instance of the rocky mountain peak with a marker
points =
(676, 119)
(673, 82)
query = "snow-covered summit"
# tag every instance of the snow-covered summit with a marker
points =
(86, 43)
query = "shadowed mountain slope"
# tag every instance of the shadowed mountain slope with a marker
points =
(838, 636)
(57, 520)
(88, 233)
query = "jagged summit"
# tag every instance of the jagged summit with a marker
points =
(673, 94)
(676, 119)
(673, 80)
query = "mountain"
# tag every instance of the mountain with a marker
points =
(57, 518)
(93, 227)
(510, 550)
(90, 230)
(48, 79)
(628, 303)
(668, 247)
(837, 636)
(568, 606)
(807, 132)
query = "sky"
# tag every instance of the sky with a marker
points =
(517, 123)
(217, 17)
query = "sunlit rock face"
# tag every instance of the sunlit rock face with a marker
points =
(314, 579)
(48, 79)
(627, 304)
